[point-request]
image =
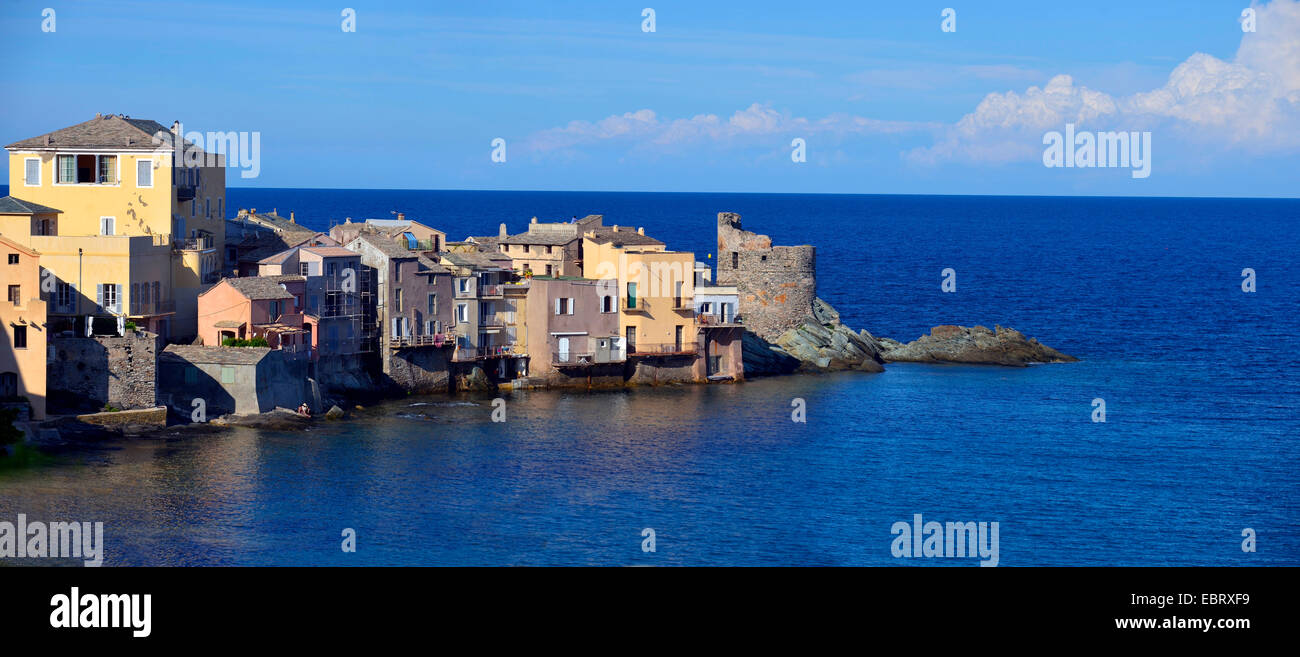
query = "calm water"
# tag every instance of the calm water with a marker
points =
(1199, 379)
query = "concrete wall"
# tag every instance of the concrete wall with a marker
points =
(777, 285)
(231, 380)
(88, 373)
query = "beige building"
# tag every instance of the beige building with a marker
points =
(126, 229)
(652, 288)
(23, 330)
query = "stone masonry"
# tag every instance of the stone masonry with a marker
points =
(777, 284)
(87, 373)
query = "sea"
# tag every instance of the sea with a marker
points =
(1183, 313)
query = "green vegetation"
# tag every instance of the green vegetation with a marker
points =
(130, 326)
(109, 408)
(240, 342)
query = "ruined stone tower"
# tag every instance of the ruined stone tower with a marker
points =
(777, 284)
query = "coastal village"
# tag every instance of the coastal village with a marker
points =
(131, 286)
(135, 297)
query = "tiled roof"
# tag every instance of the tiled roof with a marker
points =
(428, 265)
(111, 131)
(329, 251)
(11, 205)
(541, 237)
(387, 246)
(176, 353)
(479, 260)
(625, 236)
(259, 287)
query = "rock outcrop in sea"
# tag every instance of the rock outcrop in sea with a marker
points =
(973, 345)
(820, 343)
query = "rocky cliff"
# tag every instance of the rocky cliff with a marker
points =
(820, 343)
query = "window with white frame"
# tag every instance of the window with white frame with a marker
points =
(462, 312)
(107, 225)
(144, 173)
(32, 171)
(109, 297)
(86, 169)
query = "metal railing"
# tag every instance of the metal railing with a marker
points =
(491, 322)
(192, 243)
(489, 290)
(435, 340)
(141, 309)
(661, 348)
(715, 319)
(573, 359)
(634, 304)
(683, 303)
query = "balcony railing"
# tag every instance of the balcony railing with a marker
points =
(489, 290)
(634, 305)
(714, 319)
(662, 348)
(192, 243)
(471, 353)
(573, 359)
(435, 340)
(491, 322)
(141, 309)
(683, 303)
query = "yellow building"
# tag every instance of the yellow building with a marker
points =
(23, 331)
(653, 289)
(128, 225)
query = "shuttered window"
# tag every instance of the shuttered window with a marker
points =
(32, 171)
(144, 173)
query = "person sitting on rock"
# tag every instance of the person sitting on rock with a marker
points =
(304, 410)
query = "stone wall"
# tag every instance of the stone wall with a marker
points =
(419, 369)
(777, 284)
(88, 373)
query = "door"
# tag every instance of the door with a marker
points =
(562, 351)
(631, 339)
(677, 342)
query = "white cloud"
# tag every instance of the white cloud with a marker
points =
(1252, 102)
(644, 128)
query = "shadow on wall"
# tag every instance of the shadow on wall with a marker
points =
(77, 378)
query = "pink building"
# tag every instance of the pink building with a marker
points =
(268, 307)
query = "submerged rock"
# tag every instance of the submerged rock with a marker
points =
(334, 413)
(976, 345)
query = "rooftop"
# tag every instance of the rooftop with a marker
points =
(258, 287)
(177, 353)
(112, 131)
(11, 205)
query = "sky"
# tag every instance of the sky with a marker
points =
(584, 97)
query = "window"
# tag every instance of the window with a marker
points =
(32, 172)
(463, 284)
(191, 375)
(607, 304)
(108, 294)
(735, 260)
(330, 268)
(63, 295)
(207, 207)
(462, 312)
(433, 304)
(107, 225)
(227, 374)
(194, 207)
(631, 295)
(15, 295)
(548, 270)
(20, 337)
(107, 169)
(135, 298)
(397, 301)
(157, 298)
(67, 171)
(13, 258)
(397, 272)
(144, 173)
(8, 384)
(571, 305)
(303, 268)
(548, 250)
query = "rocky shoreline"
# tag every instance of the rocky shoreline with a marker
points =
(822, 343)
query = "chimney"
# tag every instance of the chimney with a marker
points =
(291, 219)
(401, 216)
(501, 230)
(47, 140)
(640, 230)
(176, 128)
(98, 115)
(616, 228)
(533, 221)
(347, 220)
(252, 211)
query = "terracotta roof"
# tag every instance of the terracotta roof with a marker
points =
(111, 131)
(258, 287)
(11, 205)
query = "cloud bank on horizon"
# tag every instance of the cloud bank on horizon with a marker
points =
(1250, 104)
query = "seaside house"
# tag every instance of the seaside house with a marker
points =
(260, 306)
(571, 327)
(652, 288)
(337, 290)
(719, 325)
(478, 311)
(239, 380)
(126, 231)
(23, 330)
(548, 248)
(251, 236)
(410, 324)
(407, 233)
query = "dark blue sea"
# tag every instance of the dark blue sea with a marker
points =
(1199, 378)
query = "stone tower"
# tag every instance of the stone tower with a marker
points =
(777, 284)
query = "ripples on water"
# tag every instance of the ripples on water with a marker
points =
(1200, 382)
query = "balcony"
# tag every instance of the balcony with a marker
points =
(489, 291)
(662, 348)
(152, 308)
(633, 305)
(435, 340)
(573, 360)
(192, 244)
(716, 320)
(490, 351)
(491, 322)
(683, 303)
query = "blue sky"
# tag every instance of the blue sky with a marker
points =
(885, 100)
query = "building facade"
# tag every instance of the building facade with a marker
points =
(24, 334)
